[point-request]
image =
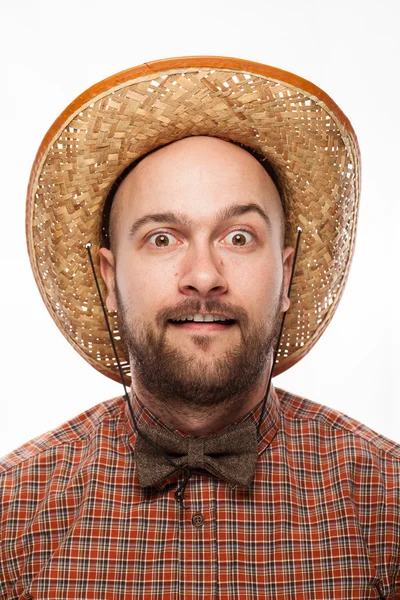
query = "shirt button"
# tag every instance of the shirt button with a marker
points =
(198, 520)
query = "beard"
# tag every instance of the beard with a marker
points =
(177, 379)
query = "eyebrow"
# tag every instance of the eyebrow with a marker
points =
(166, 217)
(235, 210)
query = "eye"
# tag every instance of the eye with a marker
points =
(239, 238)
(162, 240)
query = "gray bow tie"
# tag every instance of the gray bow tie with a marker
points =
(230, 455)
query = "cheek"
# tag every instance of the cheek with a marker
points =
(145, 289)
(256, 281)
(264, 296)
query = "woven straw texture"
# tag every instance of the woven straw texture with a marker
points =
(296, 125)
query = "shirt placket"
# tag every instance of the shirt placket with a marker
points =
(198, 552)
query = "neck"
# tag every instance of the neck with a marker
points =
(200, 420)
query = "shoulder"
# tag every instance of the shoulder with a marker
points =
(81, 428)
(299, 413)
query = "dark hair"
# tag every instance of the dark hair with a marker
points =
(105, 240)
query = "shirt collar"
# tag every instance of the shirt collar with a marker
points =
(270, 422)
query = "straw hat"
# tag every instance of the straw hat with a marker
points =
(284, 117)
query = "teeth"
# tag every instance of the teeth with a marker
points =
(198, 318)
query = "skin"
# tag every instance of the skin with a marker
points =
(198, 180)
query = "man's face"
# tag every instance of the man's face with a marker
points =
(197, 270)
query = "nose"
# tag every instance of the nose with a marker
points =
(202, 274)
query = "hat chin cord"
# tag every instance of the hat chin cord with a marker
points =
(180, 489)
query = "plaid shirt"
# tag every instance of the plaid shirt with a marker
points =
(321, 519)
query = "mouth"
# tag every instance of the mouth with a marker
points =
(202, 322)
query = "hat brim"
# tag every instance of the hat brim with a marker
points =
(286, 118)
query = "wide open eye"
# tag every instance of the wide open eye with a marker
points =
(239, 238)
(162, 240)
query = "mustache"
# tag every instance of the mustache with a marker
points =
(194, 305)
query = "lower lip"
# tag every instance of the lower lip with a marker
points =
(202, 327)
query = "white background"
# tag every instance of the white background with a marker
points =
(51, 51)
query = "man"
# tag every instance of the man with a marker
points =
(190, 177)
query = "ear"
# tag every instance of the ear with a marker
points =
(107, 269)
(287, 258)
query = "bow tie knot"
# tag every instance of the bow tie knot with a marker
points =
(230, 454)
(195, 453)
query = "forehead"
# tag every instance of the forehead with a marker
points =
(197, 176)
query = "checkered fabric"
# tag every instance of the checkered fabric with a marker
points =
(321, 519)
